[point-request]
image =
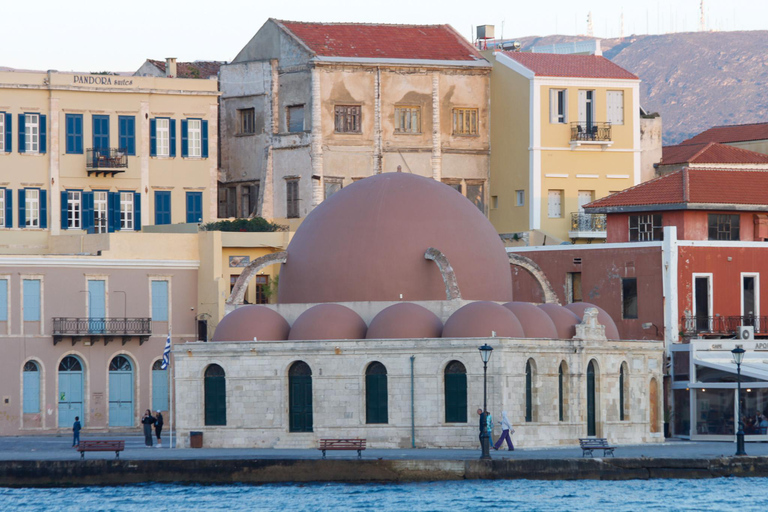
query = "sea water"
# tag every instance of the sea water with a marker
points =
(726, 494)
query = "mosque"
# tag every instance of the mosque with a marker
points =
(386, 292)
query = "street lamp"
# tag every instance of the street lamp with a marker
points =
(485, 353)
(738, 357)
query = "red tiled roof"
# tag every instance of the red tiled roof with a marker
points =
(568, 65)
(710, 153)
(378, 41)
(197, 69)
(733, 133)
(691, 186)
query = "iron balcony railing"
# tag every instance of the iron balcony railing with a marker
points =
(111, 159)
(590, 131)
(102, 326)
(587, 222)
(722, 325)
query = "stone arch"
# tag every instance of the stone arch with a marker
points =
(238, 292)
(446, 270)
(550, 297)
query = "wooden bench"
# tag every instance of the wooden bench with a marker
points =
(343, 444)
(595, 443)
(101, 446)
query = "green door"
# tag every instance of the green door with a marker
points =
(376, 404)
(591, 430)
(215, 396)
(455, 393)
(300, 397)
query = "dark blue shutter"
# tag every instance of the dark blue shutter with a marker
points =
(74, 134)
(194, 207)
(22, 139)
(162, 207)
(204, 142)
(42, 134)
(127, 135)
(70, 127)
(184, 139)
(44, 209)
(113, 204)
(8, 132)
(172, 129)
(137, 211)
(8, 208)
(88, 211)
(22, 212)
(152, 137)
(64, 219)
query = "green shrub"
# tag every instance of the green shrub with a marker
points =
(257, 224)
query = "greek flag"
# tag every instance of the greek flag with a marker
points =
(167, 353)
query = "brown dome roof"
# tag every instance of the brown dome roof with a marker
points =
(328, 322)
(611, 331)
(405, 321)
(536, 323)
(248, 322)
(564, 320)
(479, 319)
(367, 243)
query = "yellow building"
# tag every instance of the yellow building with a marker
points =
(104, 153)
(565, 130)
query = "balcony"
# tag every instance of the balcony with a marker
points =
(722, 326)
(590, 134)
(103, 161)
(587, 225)
(108, 329)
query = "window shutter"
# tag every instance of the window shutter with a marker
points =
(22, 206)
(137, 211)
(64, 220)
(112, 215)
(172, 137)
(42, 133)
(8, 132)
(22, 140)
(43, 209)
(87, 212)
(152, 137)
(552, 106)
(184, 139)
(204, 142)
(8, 208)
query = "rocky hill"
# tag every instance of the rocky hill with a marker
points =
(695, 80)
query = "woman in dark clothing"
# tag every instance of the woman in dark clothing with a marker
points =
(159, 428)
(148, 420)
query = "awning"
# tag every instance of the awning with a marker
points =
(754, 365)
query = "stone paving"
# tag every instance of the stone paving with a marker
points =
(60, 448)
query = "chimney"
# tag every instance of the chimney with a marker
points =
(170, 67)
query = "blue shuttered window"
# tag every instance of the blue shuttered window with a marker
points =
(172, 129)
(3, 300)
(205, 139)
(88, 211)
(8, 133)
(74, 126)
(159, 301)
(152, 137)
(31, 388)
(184, 138)
(127, 134)
(137, 211)
(22, 136)
(31, 292)
(162, 207)
(8, 208)
(194, 207)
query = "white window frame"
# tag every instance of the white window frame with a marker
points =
(126, 211)
(519, 197)
(2, 206)
(74, 209)
(756, 276)
(615, 107)
(2, 133)
(194, 138)
(559, 193)
(31, 133)
(710, 292)
(163, 136)
(554, 106)
(32, 207)
(100, 211)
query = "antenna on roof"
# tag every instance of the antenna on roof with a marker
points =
(590, 28)
(702, 19)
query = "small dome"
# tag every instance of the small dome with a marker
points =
(405, 320)
(611, 331)
(536, 323)
(248, 322)
(564, 320)
(480, 319)
(328, 322)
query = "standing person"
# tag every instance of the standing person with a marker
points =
(506, 430)
(148, 420)
(76, 427)
(159, 428)
(483, 426)
(489, 424)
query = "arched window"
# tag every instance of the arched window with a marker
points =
(215, 395)
(121, 392)
(623, 392)
(300, 397)
(654, 406)
(376, 407)
(562, 390)
(31, 388)
(530, 402)
(591, 400)
(455, 393)
(70, 391)
(159, 387)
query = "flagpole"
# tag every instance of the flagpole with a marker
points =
(173, 392)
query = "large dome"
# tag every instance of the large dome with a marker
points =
(565, 320)
(536, 323)
(328, 322)
(480, 320)
(405, 321)
(247, 323)
(367, 243)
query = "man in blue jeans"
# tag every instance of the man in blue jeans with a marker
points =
(76, 431)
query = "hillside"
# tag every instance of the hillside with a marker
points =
(695, 80)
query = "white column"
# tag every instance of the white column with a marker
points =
(54, 212)
(377, 144)
(669, 255)
(316, 149)
(437, 158)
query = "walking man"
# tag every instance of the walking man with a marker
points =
(506, 430)
(76, 432)
(159, 428)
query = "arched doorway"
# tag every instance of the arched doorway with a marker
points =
(654, 405)
(591, 402)
(215, 395)
(31, 388)
(455, 393)
(300, 397)
(159, 387)
(120, 392)
(70, 392)
(376, 403)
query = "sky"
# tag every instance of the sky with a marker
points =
(91, 35)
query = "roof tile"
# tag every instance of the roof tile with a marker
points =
(710, 153)
(569, 65)
(732, 133)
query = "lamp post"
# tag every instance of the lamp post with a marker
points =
(485, 353)
(738, 357)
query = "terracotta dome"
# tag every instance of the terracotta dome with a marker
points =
(611, 331)
(405, 321)
(248, 322)
(536, 322)
(328, 322)
(479, 319)
(367, 243)
(564, 320)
